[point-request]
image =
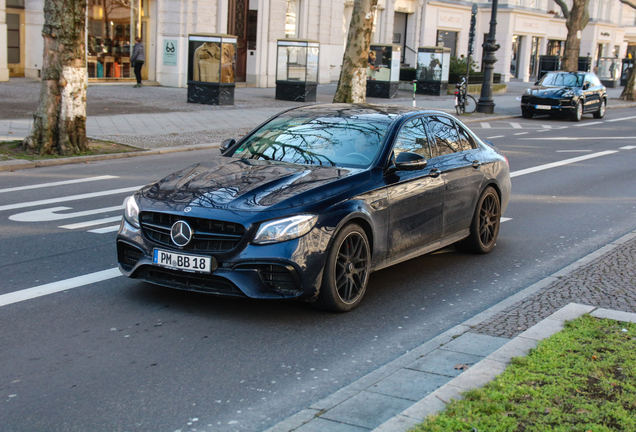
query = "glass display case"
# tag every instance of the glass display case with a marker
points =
(297, 70)
(608, 71)
(211, 68)
(433, 65)
(383, 70)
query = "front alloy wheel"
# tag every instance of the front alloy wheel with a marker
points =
(346, 273)
(577, 115)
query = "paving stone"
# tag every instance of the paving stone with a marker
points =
(367, 409)
(433, 403)
(475, 344)
(322, 425)
(409, 384)
(443, 362)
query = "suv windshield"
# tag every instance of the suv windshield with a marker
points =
(563, 80)
(318, 138)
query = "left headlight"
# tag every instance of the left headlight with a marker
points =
(131, 212)
(284, 229)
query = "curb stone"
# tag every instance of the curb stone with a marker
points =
(16, 164)
(474, 377)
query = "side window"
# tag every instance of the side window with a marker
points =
(412, 138)
(466, 142)
(444, 135)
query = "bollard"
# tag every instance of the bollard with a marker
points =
(414, 85)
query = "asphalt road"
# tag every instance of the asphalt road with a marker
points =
(123, 355)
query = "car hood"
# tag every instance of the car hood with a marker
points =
(550, 92)
(249, 185)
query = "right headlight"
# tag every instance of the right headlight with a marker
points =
(281, 230)
(131, 211)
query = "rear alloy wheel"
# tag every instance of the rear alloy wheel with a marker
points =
(601, 110)
(577, 115)
(347, 270)
(484, 228)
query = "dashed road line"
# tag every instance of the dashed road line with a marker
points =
(628, 148)
(561, 163)
(496, 136)
(621, 119)
(573, 151)
(485, 125)
(521, 133)
(579, 138)
(588, 124)
(68, 198)
(105, 230)
(515, 125)
(91, 223)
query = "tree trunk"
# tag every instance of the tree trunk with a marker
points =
(352, 85)
(577, 20)
(59, 125)
(629, 91)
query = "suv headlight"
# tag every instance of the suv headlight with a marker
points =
(281, 230)
(131, 212)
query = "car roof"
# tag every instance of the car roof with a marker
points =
(350, 110)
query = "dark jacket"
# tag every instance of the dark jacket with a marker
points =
(139, 54)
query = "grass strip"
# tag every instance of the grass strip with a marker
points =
(580, 379)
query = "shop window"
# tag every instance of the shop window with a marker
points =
(19, 4)
(556, 47)
(448, 39)
(292, 18)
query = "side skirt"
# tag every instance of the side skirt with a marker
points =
(439, 244)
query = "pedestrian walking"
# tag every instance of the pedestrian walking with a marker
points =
(137, 59)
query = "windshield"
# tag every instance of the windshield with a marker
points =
(562, 80)
(319, 138)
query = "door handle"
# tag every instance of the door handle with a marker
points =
(476, 164)
(435, 172)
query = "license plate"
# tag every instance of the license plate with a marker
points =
(179, 261)
(543, 107)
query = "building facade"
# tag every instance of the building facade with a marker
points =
(526, 29)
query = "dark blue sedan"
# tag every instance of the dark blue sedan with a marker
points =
(308, 204)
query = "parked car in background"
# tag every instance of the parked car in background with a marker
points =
(565, 93)
(308, 204)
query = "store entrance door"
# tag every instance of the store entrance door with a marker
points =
(237, 24)
(514, 57)
(15, 42)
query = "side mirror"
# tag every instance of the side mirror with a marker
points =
(586, 86)
(407, 161)
(536, 83)
(227, 144)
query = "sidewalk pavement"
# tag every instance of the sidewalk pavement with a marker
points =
(155, 117)
(421, 382)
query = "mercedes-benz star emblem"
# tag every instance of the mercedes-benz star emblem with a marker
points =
(181, 233)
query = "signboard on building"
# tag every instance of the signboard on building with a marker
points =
(534, 25)
(452, 19)
(170, 52)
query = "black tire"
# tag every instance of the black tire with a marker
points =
(459, 107)
(601, 110)
(346, 273)
(577, 114)
(470, 104)
(527, 113)
(484, 228)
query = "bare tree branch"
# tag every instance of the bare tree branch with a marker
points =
(628, 3)
(564, 8)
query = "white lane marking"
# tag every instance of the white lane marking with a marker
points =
(546, 127)
(105, 229)
(60, 183)
(49, 214)
(68, 198)
(92, 223)
(63, 285)
(588, 124)
(621, 119)
(544, 130)
(515, 125)
(485, 125)
(573, 151)
(627, 148)
(496, 136)
(522, 133)
(504, 219)
(561, 163)
(562, 127)
(580, 138)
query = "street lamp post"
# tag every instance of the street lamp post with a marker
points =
(486, 103)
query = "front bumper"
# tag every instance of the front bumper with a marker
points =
(291, 269)
(538, 105)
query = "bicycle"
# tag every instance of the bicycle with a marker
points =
(464, 103)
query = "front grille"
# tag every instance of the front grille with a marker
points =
(128, 255)
(544, 101)
(208, 235)
(189, 282)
